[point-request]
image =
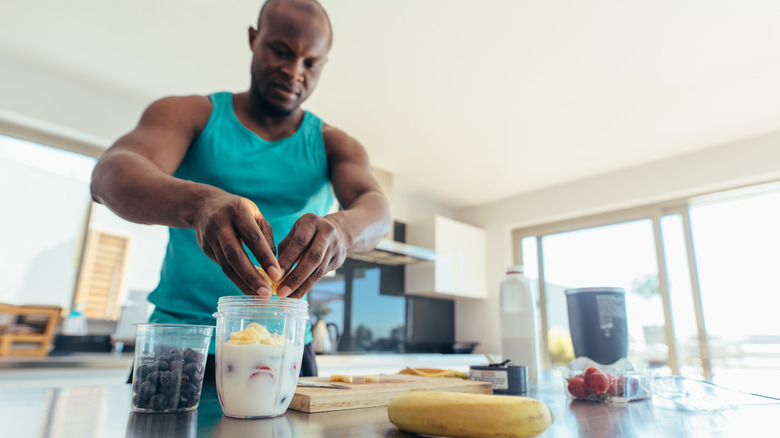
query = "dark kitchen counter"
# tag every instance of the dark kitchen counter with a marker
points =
(104, 411)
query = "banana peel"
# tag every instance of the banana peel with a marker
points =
(433, 372)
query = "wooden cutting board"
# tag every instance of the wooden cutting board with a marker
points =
(364, 395)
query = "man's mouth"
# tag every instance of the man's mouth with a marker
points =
(286, 91)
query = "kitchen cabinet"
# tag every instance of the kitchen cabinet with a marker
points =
(460, 267)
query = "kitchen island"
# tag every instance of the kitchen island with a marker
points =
(104, 411)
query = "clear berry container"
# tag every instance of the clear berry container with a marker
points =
(615, 383)
(168, 370)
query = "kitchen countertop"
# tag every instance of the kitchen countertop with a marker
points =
(104, 411)
(86, 369)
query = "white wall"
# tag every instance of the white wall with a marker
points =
(721, 167)
(98, 112)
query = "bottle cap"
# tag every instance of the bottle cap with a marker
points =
(507, 378)
(515, 269)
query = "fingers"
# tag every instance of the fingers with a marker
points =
(242, 285)
(237, 265)
(258, 237)
(316, 245)
(221, 233)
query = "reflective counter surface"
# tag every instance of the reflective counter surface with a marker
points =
(104, 411)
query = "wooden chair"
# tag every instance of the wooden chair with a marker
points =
(41, 324)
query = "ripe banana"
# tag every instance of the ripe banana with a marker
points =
(433, 372)
(453, 414)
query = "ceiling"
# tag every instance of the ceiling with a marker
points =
(465, 102)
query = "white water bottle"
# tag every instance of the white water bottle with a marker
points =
(519, 320)
(75, 324)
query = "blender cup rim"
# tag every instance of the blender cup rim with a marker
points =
(196, 328)
(579, 290)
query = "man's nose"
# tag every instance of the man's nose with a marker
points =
(294, 69)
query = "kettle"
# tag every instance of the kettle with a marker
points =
(326, 337)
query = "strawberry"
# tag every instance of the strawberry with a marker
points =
(577, 386)
(615, 385)
(596, 382)
(592, 370)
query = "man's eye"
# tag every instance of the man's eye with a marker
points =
(280, 51)
(314, 66)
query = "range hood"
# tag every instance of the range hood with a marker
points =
(392, 253)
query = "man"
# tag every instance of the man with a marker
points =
(231, 172)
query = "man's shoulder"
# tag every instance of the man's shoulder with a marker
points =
(339, 142)
(332, 135)
(187, 101)
(187, 110)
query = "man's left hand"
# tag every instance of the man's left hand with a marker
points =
(318, 245)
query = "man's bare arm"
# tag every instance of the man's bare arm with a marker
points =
(320, 244)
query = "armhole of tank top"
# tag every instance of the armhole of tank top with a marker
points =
(215, 105)
(319, 126)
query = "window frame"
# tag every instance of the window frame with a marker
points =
(57, 137)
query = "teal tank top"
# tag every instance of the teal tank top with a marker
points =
(285, 178)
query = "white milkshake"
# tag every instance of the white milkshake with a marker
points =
(257, 373)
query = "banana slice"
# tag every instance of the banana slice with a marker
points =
(274, 284)
(255, 334)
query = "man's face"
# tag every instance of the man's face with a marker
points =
(290, 48)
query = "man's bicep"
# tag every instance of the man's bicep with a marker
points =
(350, 172)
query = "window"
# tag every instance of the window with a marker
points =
(737, 245)
(619, 255)
(45, 193)
(699, 270)
(46, 230)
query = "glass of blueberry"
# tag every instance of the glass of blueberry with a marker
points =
(168, 368)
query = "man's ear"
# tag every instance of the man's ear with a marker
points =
(252, 35)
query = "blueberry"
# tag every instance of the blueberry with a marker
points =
(185, 379)
(168, 379)
(153, 377)
(169, 393)
(143, 371)
(190, 369)
(147, 390)
(137, 384)
(189, 390)
(160, 365)
(196, 378)
(192, 401)
(193, 356)
(175, 365)
(158, 402)
(175, 352)
(164, 358)
(139, 402)
(183, 401)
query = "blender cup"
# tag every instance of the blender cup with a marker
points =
(168, 368)
(259, 348)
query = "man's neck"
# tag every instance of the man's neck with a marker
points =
(269, 126)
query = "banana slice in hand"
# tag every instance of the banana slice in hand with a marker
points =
(274, 284)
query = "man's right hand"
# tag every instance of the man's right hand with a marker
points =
(222, 222)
